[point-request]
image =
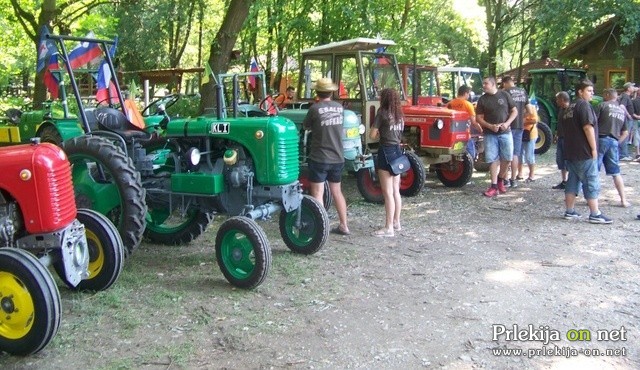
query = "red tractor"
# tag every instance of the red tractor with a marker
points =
(435, 136)
(40, 227)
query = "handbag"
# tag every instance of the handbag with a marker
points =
(526, 135)
(397, 160)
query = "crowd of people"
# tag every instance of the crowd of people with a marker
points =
(588, 139)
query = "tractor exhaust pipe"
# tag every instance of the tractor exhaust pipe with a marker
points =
(414, 79)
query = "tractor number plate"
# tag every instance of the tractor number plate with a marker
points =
(458, 145)
(220, 128)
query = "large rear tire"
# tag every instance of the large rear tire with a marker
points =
(369, 185)
(455, 174)
(49, 134)
(313, 232)
(106, 252)
(243, 252)
(29, 303)
(105, 180)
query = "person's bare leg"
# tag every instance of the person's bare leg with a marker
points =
(570, 201)
(340, 203)
(397, 202)
(316, 190)
(619, 183)
(504, 167)
(386, 183)
(493, 170)
(515, 167)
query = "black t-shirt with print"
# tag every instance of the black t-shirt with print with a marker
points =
(563, 120)
(611, 118)
(496, 109)
(324, 119)
(636, 105)
(625, 100)
(390, 131)
(520, 98)
(576, 146)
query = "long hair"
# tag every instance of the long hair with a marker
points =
(390, 103)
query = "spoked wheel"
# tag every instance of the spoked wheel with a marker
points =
(105, 180)
(369, 185)
(29, 303)
(243, 252)
(455, 173)
(106, 252)
(311, 234)
(412, 181)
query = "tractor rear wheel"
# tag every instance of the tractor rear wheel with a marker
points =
(369, 185)
(455, 173)
(243, 252)
(49, 134)
(313, 232)
(29, 303)
(106, 252)
(175, 228)
(105, 180)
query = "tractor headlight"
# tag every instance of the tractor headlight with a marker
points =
(361, 129)
(194, 156)
(439, 124)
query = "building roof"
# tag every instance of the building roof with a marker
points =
(588, 38)
(536, 64)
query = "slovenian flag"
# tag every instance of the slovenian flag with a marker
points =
(50, 80)
(106, 88)
(84, 53)
(46, 48)
(252, 79)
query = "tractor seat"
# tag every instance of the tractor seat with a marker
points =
(13, 116)
(111, 119)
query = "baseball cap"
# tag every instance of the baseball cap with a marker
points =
(628, 85)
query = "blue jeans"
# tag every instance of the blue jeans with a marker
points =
(516, 133)
(608, 156)
(498, 146)
(585, 172)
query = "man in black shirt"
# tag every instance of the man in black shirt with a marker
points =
(581, 154)
(520, 98)
(611, 131)
(326, 158)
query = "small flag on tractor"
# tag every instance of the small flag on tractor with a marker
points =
(252, 79)
(106, 88)
(46, 48)
(84, 53)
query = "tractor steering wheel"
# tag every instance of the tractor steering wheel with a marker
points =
(269, 105)
(168, 101)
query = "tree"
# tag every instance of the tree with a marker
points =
(222, 46)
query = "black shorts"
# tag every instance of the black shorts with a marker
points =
(319, 172)
(381, 162)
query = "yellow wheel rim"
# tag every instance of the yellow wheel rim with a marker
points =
(96, 254)
(17, 311)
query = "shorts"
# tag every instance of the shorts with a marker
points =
(585, 172)
(381, 162)
(560, 161)
(529, 152)
(636, 133)
(498, 146)
(516, 133)
(608, 156)
(319, 172)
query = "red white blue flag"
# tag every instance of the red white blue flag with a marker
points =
(46, 48)
(50, 79)
(106, 89)
(84, 53)
(252, 79)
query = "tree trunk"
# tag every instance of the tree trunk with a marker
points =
(222, 46)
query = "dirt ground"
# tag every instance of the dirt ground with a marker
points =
(463, 269)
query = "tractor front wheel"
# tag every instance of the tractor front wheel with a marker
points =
(243, 252)
(312, 233)
(29, 303)
(455, 173)
(412, 181)
(106, 252)
(545, 137)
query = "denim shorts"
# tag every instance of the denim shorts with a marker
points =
(498, 146)
(608, 156)
(560, 161)
(516, 133)
(585, 172)
(319, 172)
(528, 152)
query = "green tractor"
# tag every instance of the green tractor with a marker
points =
(543, 85)
(189, 169)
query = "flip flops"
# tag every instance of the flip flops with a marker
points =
(384, 233)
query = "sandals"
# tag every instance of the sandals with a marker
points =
(529, 179)
(397, 227)
(384, 233)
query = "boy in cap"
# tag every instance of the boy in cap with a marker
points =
(625, 101)
(326, 158)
